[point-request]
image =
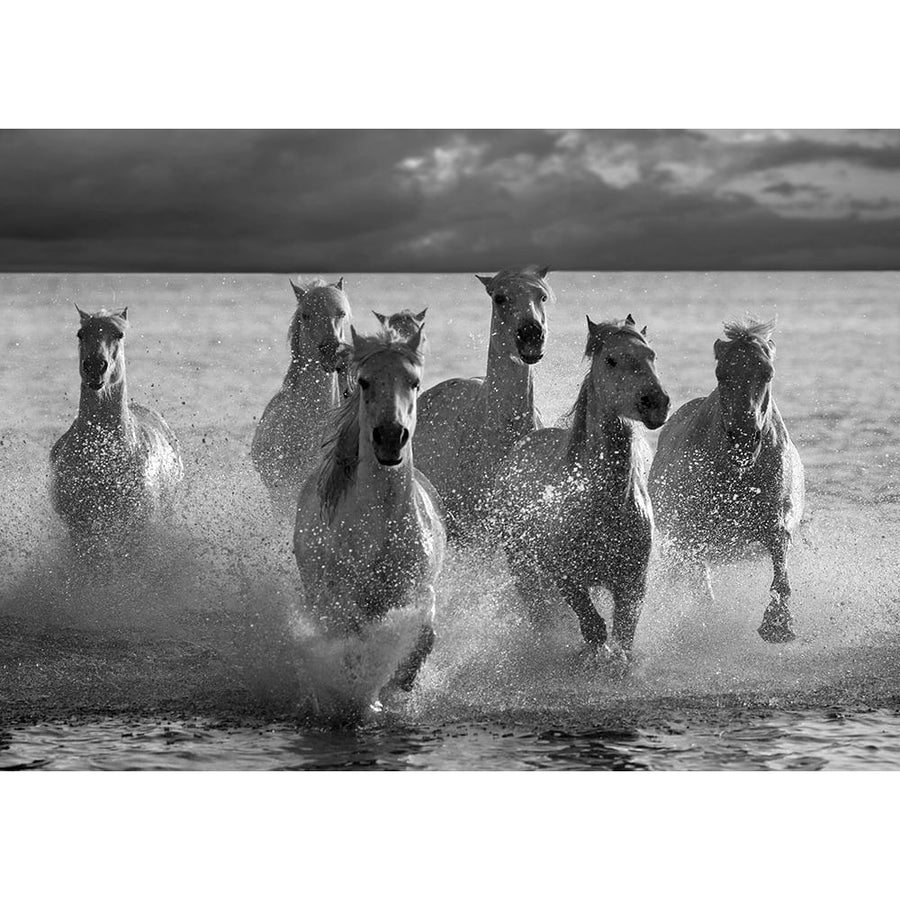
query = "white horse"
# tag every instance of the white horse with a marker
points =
(727, 477)
(467, 426)
(368, 536)
(118, 466)
(572, 504)
(287, 443)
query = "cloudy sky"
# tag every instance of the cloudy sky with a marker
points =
(306, 201)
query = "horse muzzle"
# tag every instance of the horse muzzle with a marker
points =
(653, 409)
(388, 442)
(331, 356)
(93, 370)
(530, 339)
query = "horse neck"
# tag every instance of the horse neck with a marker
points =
(381, 487)
(306, 378)
(713, 411)
(107, 410)
(607, 452)
(508, 390)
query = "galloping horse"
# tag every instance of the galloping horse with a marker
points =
(287, 443)
(727, 476)
(118, 465)
(467, 426)
(406, 323)
(368, 535)
(572, 503)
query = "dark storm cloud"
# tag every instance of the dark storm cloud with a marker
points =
(420, 200)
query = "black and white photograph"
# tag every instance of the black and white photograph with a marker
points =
(515, 516)
(419, 442)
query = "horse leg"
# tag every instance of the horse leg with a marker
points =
(405, 676)
(593, 628)
(532, 588)
(777, 623)
(628, 600)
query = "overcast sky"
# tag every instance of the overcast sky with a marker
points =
(342, 201)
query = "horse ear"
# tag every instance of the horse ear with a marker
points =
(595, 336)
(354, 337)
(718, 347)
(339, 284)
(299, 291)
(486, 281)
(629, 319)
(543, 271)
(123, 314)
(420, 317)
(644, 331)
(416, 340)
(380, 317)
(81, 313)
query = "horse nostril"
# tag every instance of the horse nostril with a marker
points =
(530, 333)
(404, 436)
(95, 367)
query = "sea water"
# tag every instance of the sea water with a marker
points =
(194, 652)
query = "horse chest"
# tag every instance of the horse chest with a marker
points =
(102, 480)
(581, 531)
(737, 508)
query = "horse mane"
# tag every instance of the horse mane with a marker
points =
(340, 449)
(120, 321)
(528, 275)
(751, 330)
(575, 420)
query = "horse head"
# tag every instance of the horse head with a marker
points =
(318, 327)
(388, 373)
(744, 371)
(406, 323)
(623, 372)
(519, 319)
(101, 337)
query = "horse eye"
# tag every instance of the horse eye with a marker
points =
(500, 298)
(610, 362)
(415, 385)
(363, 383)
(118, 335)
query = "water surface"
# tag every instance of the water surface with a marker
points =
(187, 657)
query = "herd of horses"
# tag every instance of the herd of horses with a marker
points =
(572, 507)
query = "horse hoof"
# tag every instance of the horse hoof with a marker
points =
(777, 625)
